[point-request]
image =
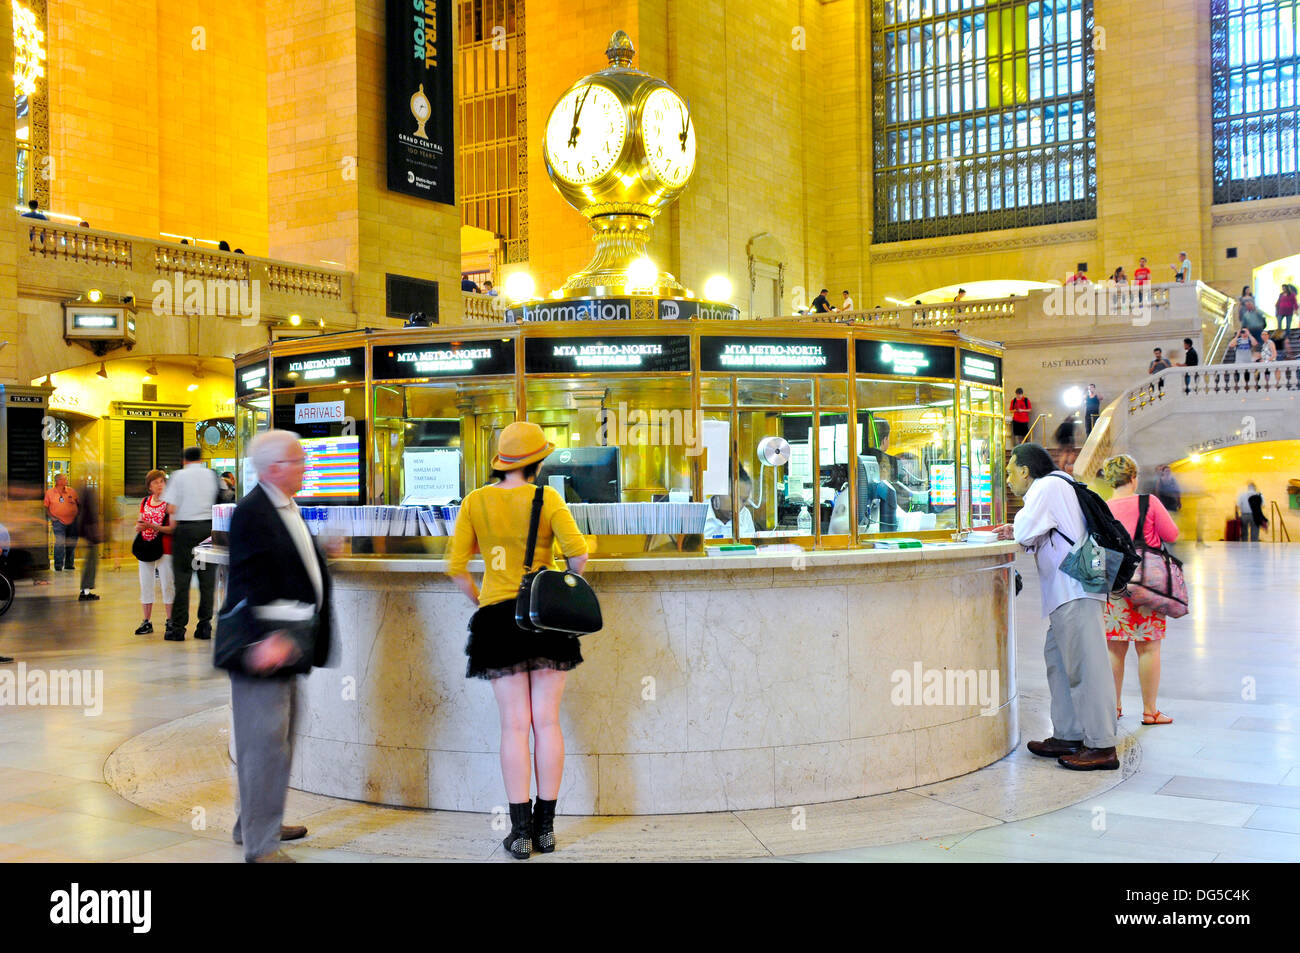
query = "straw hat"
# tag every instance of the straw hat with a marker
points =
(521, 443)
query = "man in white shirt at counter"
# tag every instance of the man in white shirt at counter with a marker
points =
(718, 523)
(1078, 669)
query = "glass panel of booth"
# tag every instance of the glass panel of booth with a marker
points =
(434, 440)
(624, 458)
(906, 459)
(983, 433)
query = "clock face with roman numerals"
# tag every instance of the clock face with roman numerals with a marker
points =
(668, 133)
(585, 134)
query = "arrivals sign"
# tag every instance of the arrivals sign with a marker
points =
(809, 355)
(421, 147)
(452, 359)
(984, 368)
(324, 412)
(904, 359)
(616, 354)
(329, 367)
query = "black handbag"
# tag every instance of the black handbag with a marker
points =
(552, 600)
(148, 550)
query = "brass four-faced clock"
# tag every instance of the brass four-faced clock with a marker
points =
(620, 146)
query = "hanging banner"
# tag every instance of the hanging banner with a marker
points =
(421, 149)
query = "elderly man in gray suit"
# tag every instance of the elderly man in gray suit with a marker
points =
(274, 626)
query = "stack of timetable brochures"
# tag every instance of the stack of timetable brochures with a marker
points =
(617, 519)
(900, 543)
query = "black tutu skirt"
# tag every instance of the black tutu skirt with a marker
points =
(498, 647)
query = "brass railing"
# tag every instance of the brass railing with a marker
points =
(1277, 523)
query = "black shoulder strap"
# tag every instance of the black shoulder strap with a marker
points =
(1140, 534)
(1060, 476)
(533, 521)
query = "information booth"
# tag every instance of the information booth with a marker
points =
(673, 437)
(776, 513)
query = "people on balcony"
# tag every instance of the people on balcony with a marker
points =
(847, 303)
(1252, 319)
(1267, 350)
(1141, 277)
(1091, 409)
(1182, 270)
(1242, 345)
(820, 304)
(1190, 357)
(1159, 363)
(34, 211)
(1285, 307)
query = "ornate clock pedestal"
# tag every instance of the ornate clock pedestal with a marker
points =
(620, 240)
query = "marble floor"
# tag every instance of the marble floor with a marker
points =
(144, 779)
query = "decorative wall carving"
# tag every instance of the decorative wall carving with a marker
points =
(935, 250)
(1250, 216)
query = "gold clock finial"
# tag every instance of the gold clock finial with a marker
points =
(621, 50)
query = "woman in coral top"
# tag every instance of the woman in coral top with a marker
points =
(1126, 622)
(527, 669)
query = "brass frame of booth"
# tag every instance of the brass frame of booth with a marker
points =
(716, 386)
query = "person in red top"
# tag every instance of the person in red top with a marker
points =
(1126, 622)
(153, 522)
(1141, 277)
(1020, 408)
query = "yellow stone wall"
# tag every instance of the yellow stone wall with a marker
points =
(158, 117)
(9, 321)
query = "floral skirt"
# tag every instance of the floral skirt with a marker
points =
(1126, 622)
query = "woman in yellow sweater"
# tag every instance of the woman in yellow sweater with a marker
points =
(527, 669)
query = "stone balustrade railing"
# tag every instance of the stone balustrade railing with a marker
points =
(1201, 393)
(483, 309)
(1040, 313)
(64, 261)
(1213, 381)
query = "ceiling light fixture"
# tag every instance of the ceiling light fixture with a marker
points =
(102, 372)
(152, 369)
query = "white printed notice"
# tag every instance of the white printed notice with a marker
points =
(431, 475)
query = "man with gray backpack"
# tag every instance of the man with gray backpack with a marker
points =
(1081, 553)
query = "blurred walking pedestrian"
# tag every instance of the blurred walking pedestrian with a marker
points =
(275, 625)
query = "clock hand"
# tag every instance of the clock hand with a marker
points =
(686, 124)
(577, 113)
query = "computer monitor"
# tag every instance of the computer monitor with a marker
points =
(591, 473)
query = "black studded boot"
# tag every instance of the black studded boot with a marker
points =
(544, 826)
(519, 842)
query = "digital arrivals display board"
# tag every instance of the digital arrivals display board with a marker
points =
(739, 354)
(327, 367)
(904, 359)
(613, 354)
(455, 359)
(421, 146)
(333, 469)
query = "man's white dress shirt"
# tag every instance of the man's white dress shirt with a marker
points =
(1050, 503)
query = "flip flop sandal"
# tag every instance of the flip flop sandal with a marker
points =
(1158, 718)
